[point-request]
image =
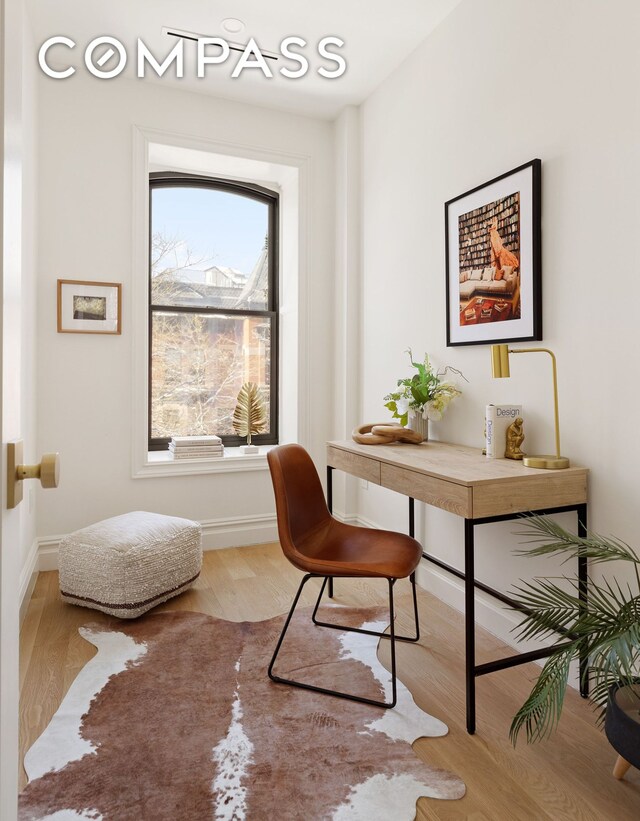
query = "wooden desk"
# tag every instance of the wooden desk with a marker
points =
(480, 490)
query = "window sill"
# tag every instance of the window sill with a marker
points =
(161, 463)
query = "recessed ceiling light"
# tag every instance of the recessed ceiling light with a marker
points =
(232, 25)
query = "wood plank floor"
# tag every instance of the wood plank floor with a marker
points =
(568, 777)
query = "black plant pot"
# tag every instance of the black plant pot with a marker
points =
(622, 725)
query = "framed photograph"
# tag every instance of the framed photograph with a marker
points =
(493, 248)
(89, 307)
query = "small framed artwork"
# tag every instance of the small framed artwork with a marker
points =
(493, 262)
(89, 307)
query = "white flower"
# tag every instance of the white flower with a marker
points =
(432, 411)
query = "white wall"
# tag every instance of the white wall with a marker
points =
(86, 233)
(499, 83)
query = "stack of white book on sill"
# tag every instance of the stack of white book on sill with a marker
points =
(196, 447)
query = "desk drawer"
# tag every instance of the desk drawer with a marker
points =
(557, 489)
(354, 464)
(437, 492)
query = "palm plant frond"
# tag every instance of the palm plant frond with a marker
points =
(540, 713)
(549, 609)
(593, 546)
(605, 628)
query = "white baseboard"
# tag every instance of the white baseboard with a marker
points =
(348, 519)
(48, 552)
(216, 534)
(28, 576)
(237, 531)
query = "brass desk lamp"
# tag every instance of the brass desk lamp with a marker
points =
(500, 369)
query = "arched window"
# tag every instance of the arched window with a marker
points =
(213, 305)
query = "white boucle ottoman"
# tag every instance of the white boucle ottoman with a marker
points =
(126, 565)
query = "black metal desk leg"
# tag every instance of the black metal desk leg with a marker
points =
(330, 506)
(412, 517)
(470, 624)
(583, 592)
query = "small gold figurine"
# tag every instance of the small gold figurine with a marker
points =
(515, 437)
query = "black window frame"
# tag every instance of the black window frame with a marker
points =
(170, 179)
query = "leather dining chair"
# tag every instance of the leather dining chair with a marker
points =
(322, 547)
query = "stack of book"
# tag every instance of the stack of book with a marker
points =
(196, 447)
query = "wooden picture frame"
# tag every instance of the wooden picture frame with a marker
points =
(493, 260)
(89, 307)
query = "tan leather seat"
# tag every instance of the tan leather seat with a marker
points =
(321, 546)
(317, 543)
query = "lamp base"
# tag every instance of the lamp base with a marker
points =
(546, 462)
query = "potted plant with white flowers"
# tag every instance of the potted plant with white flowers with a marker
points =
(422, 396)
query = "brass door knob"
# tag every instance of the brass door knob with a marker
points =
(48, 471)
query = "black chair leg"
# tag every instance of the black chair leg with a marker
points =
(337, 693)
(286, 627)
(416, 618)
(415, 638)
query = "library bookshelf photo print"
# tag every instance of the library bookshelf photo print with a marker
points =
(492, 241)
(89, 307)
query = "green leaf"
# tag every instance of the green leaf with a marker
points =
(540, 713)
(605, 628)
(594, 547)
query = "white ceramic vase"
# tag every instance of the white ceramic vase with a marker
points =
(419, 424)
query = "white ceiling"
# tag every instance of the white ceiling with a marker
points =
(378, 36)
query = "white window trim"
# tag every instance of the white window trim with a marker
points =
(161, 463)
(287, 173)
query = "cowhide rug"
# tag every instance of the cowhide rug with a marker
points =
(175, 719)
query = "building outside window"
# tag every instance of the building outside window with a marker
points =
(213, 302)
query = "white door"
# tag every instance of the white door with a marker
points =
(12, 401)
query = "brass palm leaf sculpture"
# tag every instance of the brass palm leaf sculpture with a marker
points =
(250, 415)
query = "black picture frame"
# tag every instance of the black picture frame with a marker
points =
(493, 258)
